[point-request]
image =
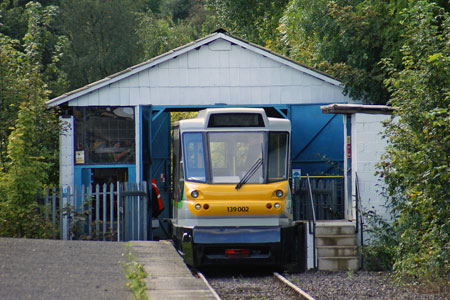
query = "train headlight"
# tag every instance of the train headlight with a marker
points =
(277, 205)
(198, 206)
(194, 194)
(279, 193)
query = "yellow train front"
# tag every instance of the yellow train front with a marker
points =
(232, 201)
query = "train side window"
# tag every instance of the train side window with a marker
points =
(178, 177)
(278, 156)
(194, 157)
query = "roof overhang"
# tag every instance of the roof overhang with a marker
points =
(357, 108)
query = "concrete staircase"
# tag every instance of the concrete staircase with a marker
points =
(336, 246)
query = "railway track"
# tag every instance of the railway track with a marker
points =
(252, 285)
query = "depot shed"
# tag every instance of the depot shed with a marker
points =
(118, 128)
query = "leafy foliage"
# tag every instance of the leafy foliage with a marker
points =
(175, 26)
(31, 158)
(27, 172)
(40, 52)
(135, 273)
(11, 90)
(416, 166)
(254, 20)
(346, 39)
(102, 38)
(379, 253)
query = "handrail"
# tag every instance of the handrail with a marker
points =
(312, 229)
(357, 202)
(331, 176)
(359, 216)
(311, 200)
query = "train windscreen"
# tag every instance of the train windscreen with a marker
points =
(233, 155)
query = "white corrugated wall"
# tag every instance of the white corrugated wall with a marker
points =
(219, 72)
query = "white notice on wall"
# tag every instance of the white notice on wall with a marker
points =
(79, 157)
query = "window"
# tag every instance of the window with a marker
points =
(236, 120)
(233, 154)
(278, 156)
(178, 178)
(105, 135)
(194, 158)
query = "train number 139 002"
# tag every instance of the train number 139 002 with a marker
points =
(233, 209)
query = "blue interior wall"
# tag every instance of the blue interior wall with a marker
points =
(317, 141)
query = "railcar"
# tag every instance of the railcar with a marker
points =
(232, 202)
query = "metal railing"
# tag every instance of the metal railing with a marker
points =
(114, 212)
(312, 221)
(359, 216)
(328, 192)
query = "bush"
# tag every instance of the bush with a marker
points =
(416, 166)
(379, 253)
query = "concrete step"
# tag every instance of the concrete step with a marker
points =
(336, 240)
(338, 263)
(330, 229)
(337, 251)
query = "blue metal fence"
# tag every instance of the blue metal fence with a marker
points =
(114, 212)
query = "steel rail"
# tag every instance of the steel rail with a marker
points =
(280, 278)
(286, 282)
(213, 291)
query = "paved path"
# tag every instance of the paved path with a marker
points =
(168, 278)
(53, 269)
(50, 269)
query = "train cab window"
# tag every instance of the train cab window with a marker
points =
(278, 156)
(194, 157)
(233, 155)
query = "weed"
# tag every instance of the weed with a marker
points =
(135, 276)
(350, 274)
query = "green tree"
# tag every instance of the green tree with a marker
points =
(346, 38)
(41, 49)
(32, 20)
(161, 32)
(254, 20)
(177, 10)
(13, 21)
(102, 38)
(32, 148)
(11, 90)
(159, 35)
(32, 153)
(416, 166)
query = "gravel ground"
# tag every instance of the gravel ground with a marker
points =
(243, 288)
(323, 285)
